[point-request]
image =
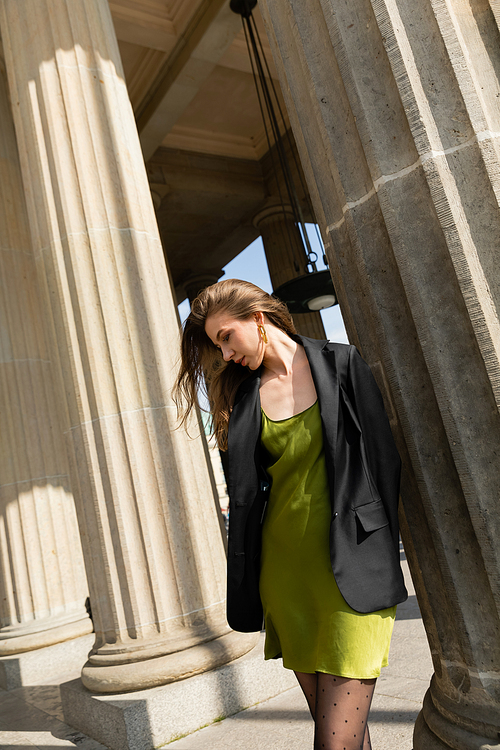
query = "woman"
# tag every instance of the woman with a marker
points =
(313, 486)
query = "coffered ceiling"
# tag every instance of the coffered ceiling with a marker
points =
(189, 76)
(191, 85)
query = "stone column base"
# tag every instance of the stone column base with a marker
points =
(449, 731)
(152, 671)
(18, 642)
(147, 719)
(17, 670)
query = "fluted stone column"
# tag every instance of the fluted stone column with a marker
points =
(150, 534)
(395, 109)
(42, 578)
(286, 259)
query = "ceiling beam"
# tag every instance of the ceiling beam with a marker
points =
(205, 40)
(138, 25)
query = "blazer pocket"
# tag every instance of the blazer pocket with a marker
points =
(372, 516)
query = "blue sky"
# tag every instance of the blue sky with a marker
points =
(250, 265)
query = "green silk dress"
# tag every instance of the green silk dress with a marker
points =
(308, 623)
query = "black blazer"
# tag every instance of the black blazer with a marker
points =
(363, 468)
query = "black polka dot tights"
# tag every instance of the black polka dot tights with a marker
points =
(339, 707)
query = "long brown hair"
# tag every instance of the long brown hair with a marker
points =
(202, 366)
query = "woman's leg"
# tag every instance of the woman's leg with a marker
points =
(341, 714)
(368, 744)
(308, 684)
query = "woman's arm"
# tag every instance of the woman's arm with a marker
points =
(384, 463)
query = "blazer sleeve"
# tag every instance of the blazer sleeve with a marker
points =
(384, 463)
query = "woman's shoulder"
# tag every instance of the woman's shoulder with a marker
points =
(341, 350)
(340, 347)
(322, 343)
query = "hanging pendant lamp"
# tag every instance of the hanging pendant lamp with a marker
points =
(313, 290)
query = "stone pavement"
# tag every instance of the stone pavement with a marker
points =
(31, 717)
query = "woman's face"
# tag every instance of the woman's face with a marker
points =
(238, 340)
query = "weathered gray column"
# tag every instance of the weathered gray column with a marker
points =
(42, 578)
(286, 258)
(150, 534)
(395, 107)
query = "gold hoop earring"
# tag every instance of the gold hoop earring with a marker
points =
(262, 332)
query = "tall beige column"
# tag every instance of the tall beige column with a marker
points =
(150, 534)
(395, 107)
(286, 259)
(42, 578)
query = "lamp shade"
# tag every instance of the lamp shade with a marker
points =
(309, 292)
(243, 7)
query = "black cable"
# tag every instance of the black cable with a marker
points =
(289, 183)
(271, 153)
(292, 151)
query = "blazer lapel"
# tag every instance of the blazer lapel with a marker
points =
(325, 377)
(243, 439)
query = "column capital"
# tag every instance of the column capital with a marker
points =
(158, 192)
(196, 282)
(271, 212)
